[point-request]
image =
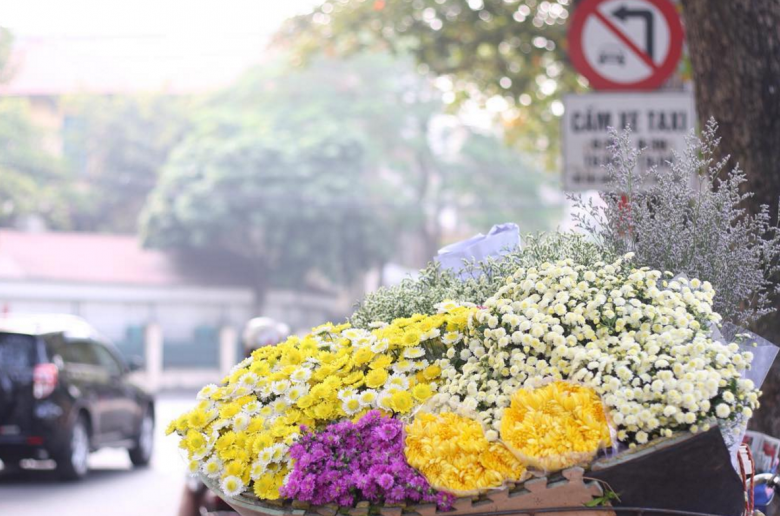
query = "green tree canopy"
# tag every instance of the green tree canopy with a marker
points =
(287, 205)
(511, 50)
(115, 147)
(32, 181)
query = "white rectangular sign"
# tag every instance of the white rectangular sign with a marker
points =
(659, 123)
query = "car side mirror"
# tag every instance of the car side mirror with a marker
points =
(135, 363)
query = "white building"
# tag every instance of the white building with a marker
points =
(129, 293)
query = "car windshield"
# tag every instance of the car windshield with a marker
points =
(16, 351)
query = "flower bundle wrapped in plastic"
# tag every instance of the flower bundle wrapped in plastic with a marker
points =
(556, 426)
(454, 455)
(642, 342)
(241, 432)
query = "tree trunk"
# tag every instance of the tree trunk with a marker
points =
(735, 54)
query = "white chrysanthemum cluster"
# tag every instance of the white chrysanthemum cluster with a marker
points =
(641, 341)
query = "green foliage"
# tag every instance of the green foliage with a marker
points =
(6, 43)
(115, 147)
(604, 500)
(288, 206)
(32, 181)
(491, 183)
(515, 50)
(434, 285)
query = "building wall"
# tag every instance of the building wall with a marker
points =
(189, 317)
(192, 320)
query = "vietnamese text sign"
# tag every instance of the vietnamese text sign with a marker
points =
(659, 123)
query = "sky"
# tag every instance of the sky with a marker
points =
(112, 46)
(148, 17)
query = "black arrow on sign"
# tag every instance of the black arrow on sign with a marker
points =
(624, 12)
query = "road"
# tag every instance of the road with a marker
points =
(113, 487)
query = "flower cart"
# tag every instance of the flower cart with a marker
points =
(410, 415)
(560, 378)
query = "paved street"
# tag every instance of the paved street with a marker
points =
(112, 488)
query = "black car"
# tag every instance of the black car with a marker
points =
(64, 392)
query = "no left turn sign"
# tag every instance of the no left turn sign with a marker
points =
(625, 44)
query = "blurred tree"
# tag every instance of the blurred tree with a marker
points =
(6, 44)
(735, 55)
(415, 164)
(491, 184)
(115, 147)
(286, 205)
(423, 162)
(510, 56)
(33, 183)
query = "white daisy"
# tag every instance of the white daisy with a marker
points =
(212, 468)
(379, 346)
(415, 352)
(253, 407)
(248, 380)
(280, 388)
(367, 398)
(301, 374)
(207, 392)
(232, 486)
(295, 392)
(258, 469)
(398, 381)
(351, 405)
(241, 421)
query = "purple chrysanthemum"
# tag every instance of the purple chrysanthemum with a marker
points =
(349, 462)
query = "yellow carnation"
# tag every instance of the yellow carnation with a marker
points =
(555, 426)
(451, 451)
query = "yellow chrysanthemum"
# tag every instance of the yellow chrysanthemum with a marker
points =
(451, 451)
(376, 378)
(431, 372)
(422, 392)
(402, 402)
(363, 356)
(381, 362)
(244, 427)
(555, 426)
(411, 338)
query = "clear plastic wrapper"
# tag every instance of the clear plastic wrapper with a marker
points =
(764, 354)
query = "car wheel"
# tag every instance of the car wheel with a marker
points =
(12, 467)
(141, 452)
(72, 461)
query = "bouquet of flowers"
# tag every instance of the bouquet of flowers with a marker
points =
(537, 361)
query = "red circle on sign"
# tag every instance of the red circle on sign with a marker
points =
(660, 74)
